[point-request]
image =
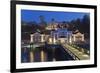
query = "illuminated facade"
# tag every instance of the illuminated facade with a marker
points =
(57, 36)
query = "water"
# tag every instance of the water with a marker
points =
(50, 53)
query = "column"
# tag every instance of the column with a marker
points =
(31, 36)
(54, 39)
(42, 38)
(83, 37)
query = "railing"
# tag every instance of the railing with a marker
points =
(71, 54)
(76, 54)
(85, 50)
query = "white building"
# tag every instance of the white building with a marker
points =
(61, 35)
(78, 37)
(37, 37)
(52, 26)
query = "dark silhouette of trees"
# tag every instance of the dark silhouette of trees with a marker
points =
(42, 20)
(86, 23)
(83, 25)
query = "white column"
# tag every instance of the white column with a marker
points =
(42, 40)
(83, 37)
(31, 36)
(54, 40)
(57, 38)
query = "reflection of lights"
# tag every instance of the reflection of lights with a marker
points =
(31, 56)
(42, 56)
(31, 52)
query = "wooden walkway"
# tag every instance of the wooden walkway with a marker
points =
(77, 53)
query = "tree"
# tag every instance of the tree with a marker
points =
(86, 23)
(83, 25)
(42, 20)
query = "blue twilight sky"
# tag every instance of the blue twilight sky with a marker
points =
(33, 15)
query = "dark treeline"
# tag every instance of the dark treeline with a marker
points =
(83, 25)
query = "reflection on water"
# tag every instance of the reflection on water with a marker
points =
(45, 53)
